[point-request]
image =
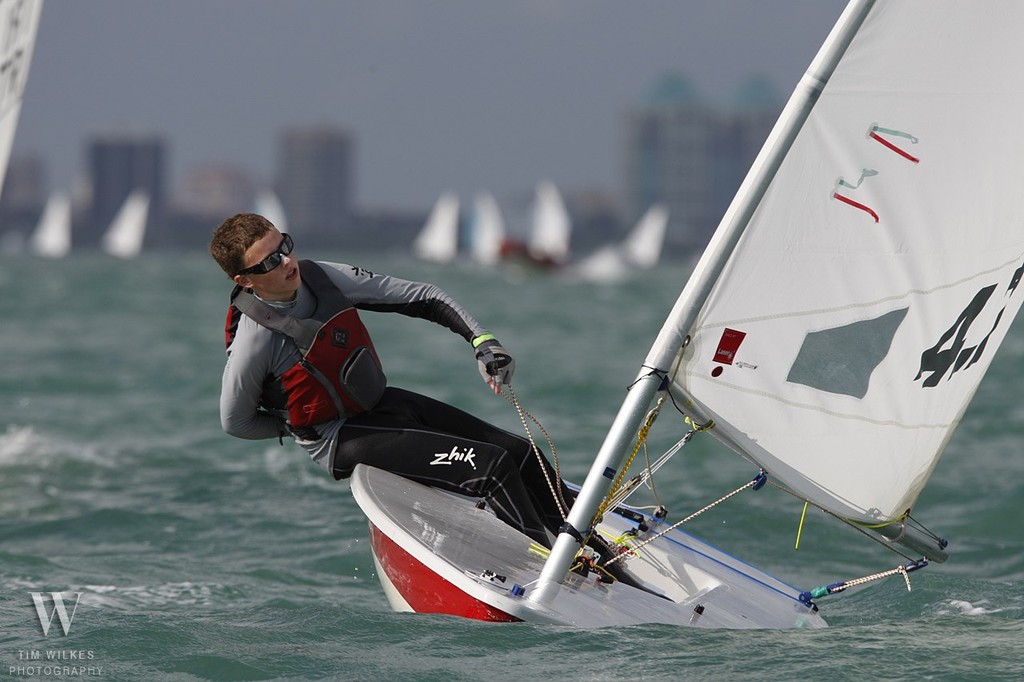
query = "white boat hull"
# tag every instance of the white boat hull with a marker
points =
(439, 553)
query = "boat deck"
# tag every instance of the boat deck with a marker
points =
(476, 554)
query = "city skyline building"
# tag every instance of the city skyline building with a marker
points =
(315, 181)
(678, 149)
(690, 156)
(668, 159)
(119, 164)
(214, 190)
(23, 196)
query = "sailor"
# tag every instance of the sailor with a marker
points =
(301, 363)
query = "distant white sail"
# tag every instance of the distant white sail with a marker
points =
(487, 229)
(269, 206)
(642, 247)
(438, 241)
(552, 230)
(640, 250)
(52, 236)
(128, 229)
(20, 22)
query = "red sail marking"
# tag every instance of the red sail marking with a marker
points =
(728, 345)
(890, 145)
(855, 204)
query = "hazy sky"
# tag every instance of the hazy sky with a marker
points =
(438, 94)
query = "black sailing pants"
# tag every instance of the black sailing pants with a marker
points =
(436, 444)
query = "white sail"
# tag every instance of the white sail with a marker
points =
(878, 273)
(20, 21)
(438, 241)
(551, 230)
(641, 249)
(854, 294)
(127, 230)
(269, 206)
(52, 236)
(487, 229)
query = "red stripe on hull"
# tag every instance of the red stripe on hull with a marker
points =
(424, 590)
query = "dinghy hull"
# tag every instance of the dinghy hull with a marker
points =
(439, 553)
(411, 586)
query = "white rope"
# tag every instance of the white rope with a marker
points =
(648, 473)
(902, 570)
(633, 549)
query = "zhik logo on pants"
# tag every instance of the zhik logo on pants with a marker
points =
(456, 455)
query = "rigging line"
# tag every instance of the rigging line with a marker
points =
(633, 549)
(852, 524)
(834, 588)
(648, 474)
(920, 526)
(641, 440)
(668, 390)
(653, 370)
(667, 379)
(622, 492)
(800, 528)
(556, 491)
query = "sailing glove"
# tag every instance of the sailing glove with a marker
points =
(495, 363)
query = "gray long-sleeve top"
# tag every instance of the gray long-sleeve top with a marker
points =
(257, 353)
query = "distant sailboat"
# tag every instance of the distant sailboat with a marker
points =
(487, 230)
(550, 232)
(269, 206)
(52, 236)
(438, 241)
(549, 241)
(128, 229)
(640, 250)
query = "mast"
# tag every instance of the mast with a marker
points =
(669, 341)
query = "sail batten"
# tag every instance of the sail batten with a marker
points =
(1017, 259)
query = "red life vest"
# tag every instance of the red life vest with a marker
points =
(338, 372)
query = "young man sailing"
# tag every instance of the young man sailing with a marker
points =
(301, 363)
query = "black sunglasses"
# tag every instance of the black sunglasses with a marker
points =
(271, 261)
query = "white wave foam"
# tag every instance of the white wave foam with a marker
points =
(966, 608)
(137, 596)
(23, 444)
(18, 442)
(128, 597)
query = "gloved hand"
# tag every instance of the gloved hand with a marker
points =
(495, 363)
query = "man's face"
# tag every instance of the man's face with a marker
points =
(280, 284)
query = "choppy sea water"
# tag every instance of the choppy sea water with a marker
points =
(202, 557)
